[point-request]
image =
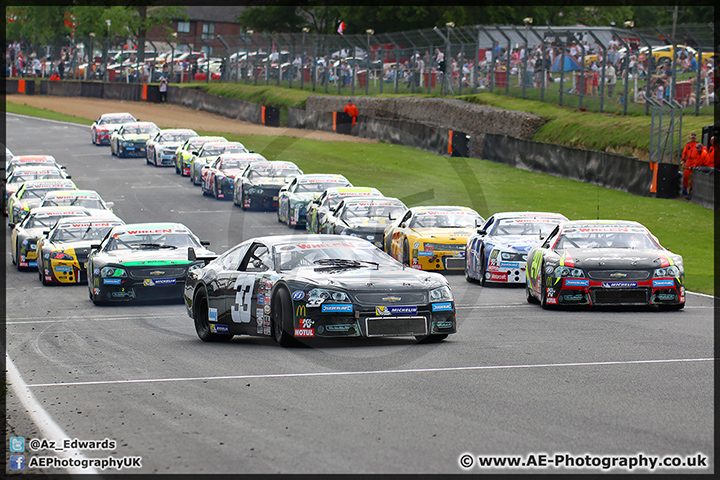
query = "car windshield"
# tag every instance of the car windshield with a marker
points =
(380, 209)
(86, 201)
(443, 220)
(518, 226)
(331, 254)
(151, 241)
(313, 187)
(40, 192)
(210, 151)
(44, 221)
(140, 130)
(82, 231)
(174, 137)
(233, 164)
(276, 172)
(606, 238)
(116, 120)
(233, 149)
(20, 177)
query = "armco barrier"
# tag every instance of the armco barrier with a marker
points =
(598, 168)
(703, 190)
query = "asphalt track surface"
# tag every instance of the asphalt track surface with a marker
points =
(515, 380)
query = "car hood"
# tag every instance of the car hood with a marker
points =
(448, 234)
(304, 196)
(360, 279)
(620, 258)
(232, 172)
(149, 257)
(167, 145)
(518, 243)
(270, 182)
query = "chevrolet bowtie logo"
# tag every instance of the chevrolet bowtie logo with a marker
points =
(157, 272)
(618, 275)
(392, 299)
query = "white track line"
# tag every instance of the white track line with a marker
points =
(47, 426)
(371, 372)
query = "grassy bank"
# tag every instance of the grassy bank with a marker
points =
(419, 177)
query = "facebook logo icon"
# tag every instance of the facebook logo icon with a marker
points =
(17, 462)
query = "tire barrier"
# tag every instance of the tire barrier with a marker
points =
(11, 86)
(342, 123)
(598, 168)
(270, 116)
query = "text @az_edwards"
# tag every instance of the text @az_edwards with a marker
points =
(584, 461)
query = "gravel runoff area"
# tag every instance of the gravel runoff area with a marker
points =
(171, 116)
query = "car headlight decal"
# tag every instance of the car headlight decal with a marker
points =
(112, 272)
(562, 271)
(441, 294)
(670, 271)
(323, 294)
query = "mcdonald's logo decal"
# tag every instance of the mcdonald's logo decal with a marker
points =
(301, 310)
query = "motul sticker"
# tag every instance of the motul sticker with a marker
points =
(498, 277)
(304, 332)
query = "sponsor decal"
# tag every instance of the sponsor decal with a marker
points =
(395, 310)
(112, 281)
(498, 277)
(298, 295)
(260, 300)
(577, 282)
(150, 282)
(304, 332)
(508, 264)
(307, 322)
(338, 308)
(619, 284)
(63, 269)
(664, 283)
(266, 309)
(300, 310)
(212, 314)
(417, 267)
(391, 299)
(425, 254)
(551, 300)
(441, 307)
(219, 328)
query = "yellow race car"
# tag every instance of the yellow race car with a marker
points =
(431, 238)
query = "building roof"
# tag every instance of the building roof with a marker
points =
(220, 14)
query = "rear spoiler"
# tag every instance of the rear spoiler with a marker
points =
(194, 258)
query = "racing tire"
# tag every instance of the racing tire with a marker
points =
(42, 277)
(387, 241)
(529, 296)
(215, 191)
(177, 170)
(282, 318)
(468, 278)
(202, 325)
(436, 338)
(482, 267)
(406, 253)
(204, 190)
(156, 160)
(16, 257)
(543, 290)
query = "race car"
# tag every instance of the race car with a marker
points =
(318, 209)
(130, 139)
(20, 175)
(89, 199)
(30, 161)
(497, 252)
(184, 153)
(364, 217)
(25, 235)
(103, 127)
(142, 261)
(218, 177)
(260, 183)
(294, 197)
(63, 252)
(431, 238)
(209, 152)
(160, 150)
(31, 194)
(604, 262)
(311, 286)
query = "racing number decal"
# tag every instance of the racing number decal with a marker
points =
(243, 299)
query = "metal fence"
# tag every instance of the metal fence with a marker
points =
(594, 68)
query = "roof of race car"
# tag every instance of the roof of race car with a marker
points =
(117, 115)
(74, 194)
(141, 124)
(242, 156)
(206, 138)
(49, 182)
(40, 212)
(309, 239)
(32, 158)
(177, 130)
(271, 164)
(24, 169)
(443, 209)
(378, 200)
(504, 215)
(320, 177)
(600, 224)
(343, 191)
(140, 228)
(96, 220)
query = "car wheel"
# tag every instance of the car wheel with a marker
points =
(282, 317)
(386, 242)
(42, 276)
(482, 267)
(468, 278)
(543, 290)
(202, 325)
(16, 257)
(177, 170)
(529, 296)
(406, 253)
(157, 164)
(439, 337)
(215, 191)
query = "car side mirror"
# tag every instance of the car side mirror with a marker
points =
(95, 247)
(205, 243)
(45, 233)
(110, 205)
(11, 225)
(68, 176)
(480, 231)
